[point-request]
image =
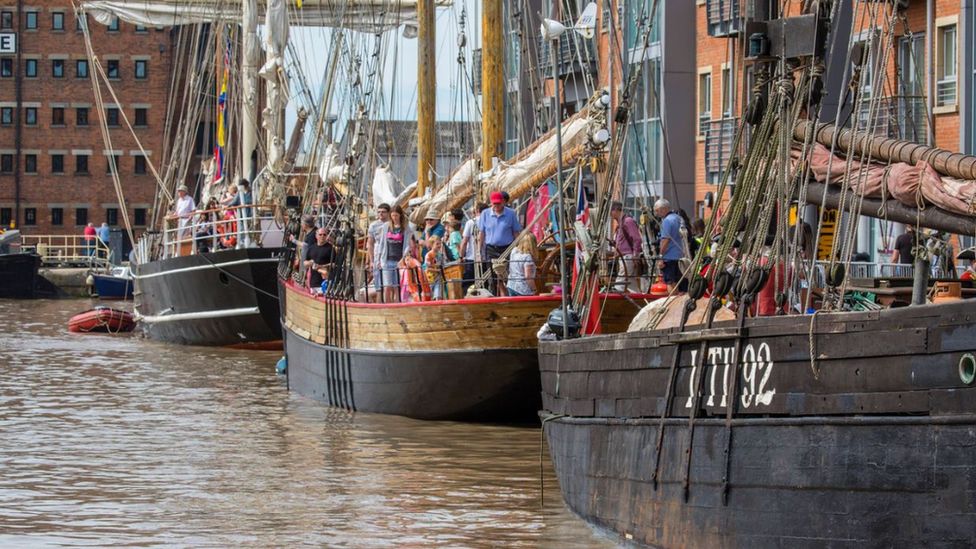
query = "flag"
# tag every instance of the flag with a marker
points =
(222, 117)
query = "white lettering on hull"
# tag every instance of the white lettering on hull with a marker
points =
(756, 366)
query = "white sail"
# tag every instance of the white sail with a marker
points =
(383, 182)
(361, 15)
(249, 86)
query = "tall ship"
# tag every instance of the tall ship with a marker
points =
(461, 355)
(207, 273)
(786, 401)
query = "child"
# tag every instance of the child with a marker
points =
(433, 266)
(454, 240)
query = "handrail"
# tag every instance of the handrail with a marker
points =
(212, 229)
(62, 249)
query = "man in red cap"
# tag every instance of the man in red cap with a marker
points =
(498, 227)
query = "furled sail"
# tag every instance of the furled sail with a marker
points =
(361, 15)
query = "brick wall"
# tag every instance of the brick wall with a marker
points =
(45, 193)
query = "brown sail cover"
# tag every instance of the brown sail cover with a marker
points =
(917, 186)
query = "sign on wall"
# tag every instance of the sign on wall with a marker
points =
(8, 43)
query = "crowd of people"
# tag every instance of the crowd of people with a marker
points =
(222, 223)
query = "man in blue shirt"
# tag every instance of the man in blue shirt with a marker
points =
(498, 227)
(672, 242)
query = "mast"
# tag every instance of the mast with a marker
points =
(492, 84)
(249, 87)
(426, 94)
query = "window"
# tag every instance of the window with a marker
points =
(704, 101)
(945, 92)
(81, 22)
(30, 68)
(30, 116)
(30, 163)
(140, 217)
(57, 21)
(81, 164)
(30, 20)
(6, 116)
(140, 165)
(81, 216)
(6, 22)
(6, 163)
(111, 164)
(113, 25)
(141, 29)
(112, 68)
(112, 116)
(57, 116)
(57, 68)
(57, 216)
(81, 68)
(6, 67)
(81, 116)
(142, 117)
(57, 163)
(112, 216)
(6, 216)
(728, 92)
(30, 216)
(142, 69)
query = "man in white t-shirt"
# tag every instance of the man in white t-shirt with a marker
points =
(184, 209)
(374, 235)
(469, 243)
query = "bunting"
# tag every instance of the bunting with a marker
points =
(222, 116)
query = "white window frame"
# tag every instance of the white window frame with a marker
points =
(946, 74)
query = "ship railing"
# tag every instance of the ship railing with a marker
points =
(859, 269)
(69, 250)
(224, 228)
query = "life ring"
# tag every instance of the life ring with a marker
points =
(227, 230)
(417, 285)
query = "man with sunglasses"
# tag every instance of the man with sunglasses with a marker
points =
(320, 258)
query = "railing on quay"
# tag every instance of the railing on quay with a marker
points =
(69, 250)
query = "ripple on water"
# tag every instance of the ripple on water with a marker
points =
(119, 440)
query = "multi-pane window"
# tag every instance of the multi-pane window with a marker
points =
(81, 68)
(30, 20)
(142, 69)
(112, 216)
(57, 20)
(57, 116)
(111, 164)
(30, 216)
(81, 116)
(57, 163)
(81, 164)
(112, 116)
(6, 19)
(6, 163)
(81, 216)
(30, 163)
(704, 101)
(57, 68)
(30, 116)
(142, 117)
(945, 93)
(6, 67)
(139, 219)
(30, 68)
(113, 25)
(139, 165)
(112, 68)
(6, 116)
(57, 216)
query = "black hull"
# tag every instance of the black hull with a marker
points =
(222, 298)
(475, 385)
(19, 278)
(875, 443)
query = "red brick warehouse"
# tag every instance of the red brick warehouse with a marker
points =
(54, 166)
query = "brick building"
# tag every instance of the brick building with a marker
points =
(54, 165)
(925, 95)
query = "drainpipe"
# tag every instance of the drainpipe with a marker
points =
(18, 99)
(930, 67)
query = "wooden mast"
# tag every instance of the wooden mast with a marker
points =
(492, 84)
(426, 93)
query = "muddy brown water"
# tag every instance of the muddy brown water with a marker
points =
(117, 440)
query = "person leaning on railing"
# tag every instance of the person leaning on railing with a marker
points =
(522, 268)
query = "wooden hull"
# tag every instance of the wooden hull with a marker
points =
(466, 359)
(873, 442)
